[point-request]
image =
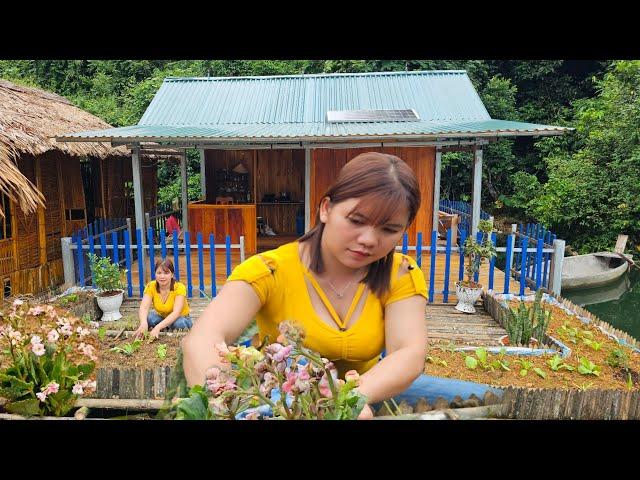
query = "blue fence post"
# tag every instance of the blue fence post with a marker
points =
(140, 255)
(463, 237)
(152, 252)
(228, 249)
(507, 268)
(405, 243)
(163, 245)
(419, 249)
(176, 257)
(80, 261)
(492, 262)
(212, 258)
(114, 240)
(187, 246)
(200, 263)
(539, 263)
(92, 251)
(432, 266)
(127, 256)
(103, 244)
(447, 265)
(523, 270)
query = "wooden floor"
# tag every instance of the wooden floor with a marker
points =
(444, 323)
(221, 275)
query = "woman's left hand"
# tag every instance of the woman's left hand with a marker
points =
(154, 333)
(366, 413)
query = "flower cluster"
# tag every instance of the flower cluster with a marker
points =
(283, 380)
(49, 359)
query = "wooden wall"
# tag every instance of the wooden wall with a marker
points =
(280, 171)
(326, 163)
(229, 159)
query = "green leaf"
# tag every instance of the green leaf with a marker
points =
(470, 362)
(540, 372)
(28, 407)
(523, 372)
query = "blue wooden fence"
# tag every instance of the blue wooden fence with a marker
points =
(520, 258)
(464, 210)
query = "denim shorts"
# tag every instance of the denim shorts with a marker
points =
(154, 319)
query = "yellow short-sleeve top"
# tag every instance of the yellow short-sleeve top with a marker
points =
(165, 308)
(278, 278)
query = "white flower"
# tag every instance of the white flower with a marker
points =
(35, 340)
(38, 349)
(53, 336)
(42, 396)
(17, 302)
(77, 389)
(94, 324)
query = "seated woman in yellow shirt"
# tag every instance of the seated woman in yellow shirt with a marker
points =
(164, 304)
(342, 280)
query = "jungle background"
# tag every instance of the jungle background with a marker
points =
(584, 186)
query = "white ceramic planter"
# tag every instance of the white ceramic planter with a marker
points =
(466, 298)
(110, 306)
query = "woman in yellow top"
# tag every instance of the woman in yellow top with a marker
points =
(342, 280)
(164, 304)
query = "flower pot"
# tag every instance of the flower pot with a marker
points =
(110, 305)
(467, 296)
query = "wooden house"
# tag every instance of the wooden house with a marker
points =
(270, 146)
(78, 182)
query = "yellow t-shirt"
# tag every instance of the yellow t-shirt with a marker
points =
(278, 278)
(165, 308)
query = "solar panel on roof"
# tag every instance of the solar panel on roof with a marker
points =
(408, 115)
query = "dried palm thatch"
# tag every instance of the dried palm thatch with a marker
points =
(30, 119)
(16, 186)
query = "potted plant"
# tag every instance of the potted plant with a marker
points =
(110, 293)
(527, 325)
(475, 253)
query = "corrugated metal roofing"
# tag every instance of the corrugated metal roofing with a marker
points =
(294, 107)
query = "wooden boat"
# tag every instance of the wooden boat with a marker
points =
(593, 269)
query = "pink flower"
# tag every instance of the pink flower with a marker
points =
(37, 310)
(352, 376)
(38, 349)
(77, 389)
(283, 353)
(94, 324)
(291, 380)
(89, 384)
(35, 340)
(82, 332)
(52, 387)
(66, 329)
(212, 373)
(53, 336)
(323, 386)
(42, 396)
(17, 302)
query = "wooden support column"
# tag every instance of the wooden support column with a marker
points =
(477, 190)
(184, 191)
(307, 189)
(42, 234)
(203, 176)
(63, 207)
(138, 199)
(436, 189)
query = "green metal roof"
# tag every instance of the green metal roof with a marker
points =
(287, 108)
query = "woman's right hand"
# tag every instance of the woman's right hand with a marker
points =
(139, 333)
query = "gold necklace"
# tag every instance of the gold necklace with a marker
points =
(344, 290)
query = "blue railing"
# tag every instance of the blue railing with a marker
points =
(464, 210)
(519, 256)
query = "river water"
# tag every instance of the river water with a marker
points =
(617, 304)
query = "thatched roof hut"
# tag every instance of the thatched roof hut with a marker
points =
(29, 121)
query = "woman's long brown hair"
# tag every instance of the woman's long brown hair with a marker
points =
(165, 265)
(383, 183)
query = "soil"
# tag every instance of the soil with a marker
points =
(609, 378)
(146, 357)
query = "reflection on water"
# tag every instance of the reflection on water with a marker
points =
(617, 304)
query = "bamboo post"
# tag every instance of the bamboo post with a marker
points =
(67, 262)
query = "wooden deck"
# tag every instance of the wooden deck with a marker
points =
(220, 268)
(443, 322)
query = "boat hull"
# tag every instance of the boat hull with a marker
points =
(592, 270)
